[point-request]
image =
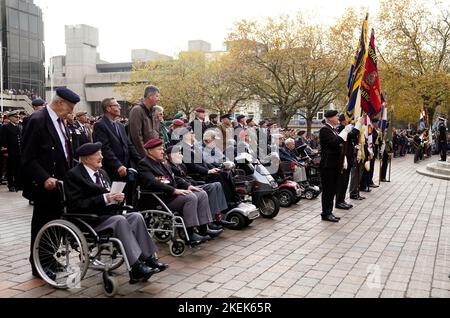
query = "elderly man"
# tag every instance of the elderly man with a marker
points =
(82, 123)
(331, 144)
(89, 192)
(46, 158)
(180, 196)
(199, 125)
(287, 153)
(143, 123)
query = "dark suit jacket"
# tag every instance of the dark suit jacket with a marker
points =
(352, 141)
(331, 145)
(150, 173)
(117, 150)
(86, 197)
(11, 139)
(42, 158)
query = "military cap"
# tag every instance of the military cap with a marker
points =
(68, 95)
(38, 102)
(331, 113)
(240, 117)
(153, 143)
(89, 149)
(227, 116)
(178, 123)
(200, 110)
(13, 114)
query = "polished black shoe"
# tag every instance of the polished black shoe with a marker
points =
(342, 206)
(200, 238)
(215, 227)
(359, 198)
(12, 189)
(350, 206)
(329, 218)
(154, 263)
(374, 186)
(140, 273)
(366, 190)
(336, 217)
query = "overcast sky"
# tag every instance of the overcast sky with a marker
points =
(166, 26)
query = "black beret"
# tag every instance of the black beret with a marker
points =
(89, 149)
(262, 122)
(68, 95)
(38, 102)
(249, 120)
(153, 143)
(240, 117)
(331, 113)
(227, 116)
(301, 133)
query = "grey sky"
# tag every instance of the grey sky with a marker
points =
(166, 26)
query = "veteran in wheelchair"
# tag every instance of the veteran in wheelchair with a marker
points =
(94, 227)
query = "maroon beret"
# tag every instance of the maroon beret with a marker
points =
(178, 122)
(200, 110)
(153, 143)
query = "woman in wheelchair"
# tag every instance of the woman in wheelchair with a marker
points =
(179, 195)
(88, 192)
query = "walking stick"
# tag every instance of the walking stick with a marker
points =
(390, 166)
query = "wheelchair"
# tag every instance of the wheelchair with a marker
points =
(163, 225)
(65, 249)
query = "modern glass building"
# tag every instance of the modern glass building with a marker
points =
(22, 36)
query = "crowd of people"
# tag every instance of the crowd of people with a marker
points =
(179, 158)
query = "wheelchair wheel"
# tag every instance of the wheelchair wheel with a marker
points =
(177, 248)
(61, 254)
(163, 237)
(110, 285)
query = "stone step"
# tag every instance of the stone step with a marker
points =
(425, 172)
(435, 168)
(444, 165)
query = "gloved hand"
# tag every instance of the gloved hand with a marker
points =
(345, 163)
(345, 132)
(367, 166)
(359, 124)
(359, 156)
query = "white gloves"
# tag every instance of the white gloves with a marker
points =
(345, 132)
(360, 123)
(345, 163)
(359, 155)
(367, 166)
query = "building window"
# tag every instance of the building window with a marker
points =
(23, 21)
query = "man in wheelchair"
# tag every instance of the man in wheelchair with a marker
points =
(179, 195)
(88, 192)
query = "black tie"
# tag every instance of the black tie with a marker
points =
(62, 127)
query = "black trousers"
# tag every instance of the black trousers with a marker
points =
(329, 183)
(13, 172)
(443, 148)
(384, 166)
(342, 186)
(372, 171)
(43, 213)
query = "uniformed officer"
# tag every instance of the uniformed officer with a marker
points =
(46, 158)
(442, 139)
(331, 144)
(37, 104)
(12, 140)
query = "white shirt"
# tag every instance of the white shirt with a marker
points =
(54, 119)
(94, 179)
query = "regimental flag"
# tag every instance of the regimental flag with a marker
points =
(356, 75)
(370, 86)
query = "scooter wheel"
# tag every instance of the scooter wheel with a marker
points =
(309, 195)
(239, 221)
(269, 207)
(286, 198)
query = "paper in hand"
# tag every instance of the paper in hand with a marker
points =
(118, 187)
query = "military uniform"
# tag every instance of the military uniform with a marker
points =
(12, 140)
(442, 140)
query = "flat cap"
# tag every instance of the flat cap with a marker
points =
(68, 95)
(178, 123)
(200, 110)
(240, 117)
(38, 102)
(331, 113)
(153, 143)
(89, 149)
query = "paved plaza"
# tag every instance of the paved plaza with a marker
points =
(396, 243)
